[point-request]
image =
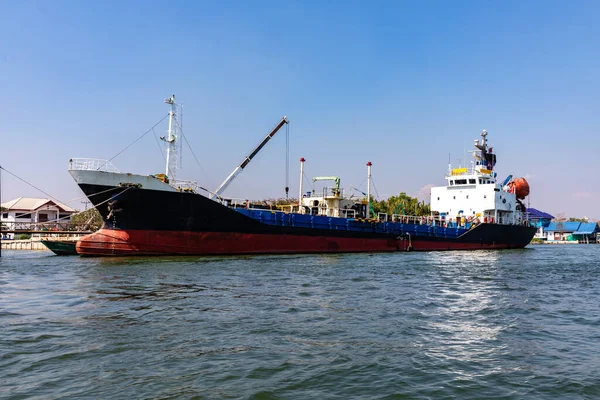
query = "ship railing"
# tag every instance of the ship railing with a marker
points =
(431, 220)
(91, 164)
(237, 203)
(410, 219)
(435, 220)
(262, 206)
(45, 226)
(329, 192)
(184, 185)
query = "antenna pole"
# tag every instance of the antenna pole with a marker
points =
(300, 208)
(369, 189)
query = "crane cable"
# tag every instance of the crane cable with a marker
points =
(194, 154)
(376, 193)
(33, 186)
(63, 202)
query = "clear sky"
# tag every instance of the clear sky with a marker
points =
(401, 84)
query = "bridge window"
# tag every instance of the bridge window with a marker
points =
(472, 181)
(461, 181)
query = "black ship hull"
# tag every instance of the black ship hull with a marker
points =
(158, 222)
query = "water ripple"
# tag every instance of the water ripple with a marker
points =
(456, 325)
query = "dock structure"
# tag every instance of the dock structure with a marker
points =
(43, 228)
(60, 231)
(35, 242)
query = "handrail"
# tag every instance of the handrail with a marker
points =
(91, 164)
(430, 220)
(37, 226)
(470, 171)
(184, 185)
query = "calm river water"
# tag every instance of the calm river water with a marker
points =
(463, 325)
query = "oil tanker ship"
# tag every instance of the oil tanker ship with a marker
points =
(160, 215)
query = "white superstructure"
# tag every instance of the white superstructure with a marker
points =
(172, 140)
(474, 195)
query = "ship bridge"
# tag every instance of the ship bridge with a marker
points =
(470, 176)
(473, 193)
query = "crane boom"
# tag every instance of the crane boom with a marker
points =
(335, 179)
(248, 158)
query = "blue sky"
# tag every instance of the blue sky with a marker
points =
(401, 84)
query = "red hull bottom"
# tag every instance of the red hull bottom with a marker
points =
(107, 242)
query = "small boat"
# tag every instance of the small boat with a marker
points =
(61, 247)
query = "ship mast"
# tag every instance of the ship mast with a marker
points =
(171, 146)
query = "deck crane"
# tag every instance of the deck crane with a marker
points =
(335, 179)
(247, 159)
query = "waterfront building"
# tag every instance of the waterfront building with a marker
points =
(540, 220)
(30, 212)
(583, 232)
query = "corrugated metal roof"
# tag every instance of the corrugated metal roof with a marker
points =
(581, 228)
(33, 203)
(587, 228)
(537, 214)
(563, 226)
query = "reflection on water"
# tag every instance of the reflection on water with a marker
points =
(463, 323)
(433, 325)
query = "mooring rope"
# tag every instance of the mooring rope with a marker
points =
(135, 141)
(62, 202)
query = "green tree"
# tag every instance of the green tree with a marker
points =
(87, 220)
(402, 204)
(578, 220)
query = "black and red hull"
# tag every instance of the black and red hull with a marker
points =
(153, 222)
